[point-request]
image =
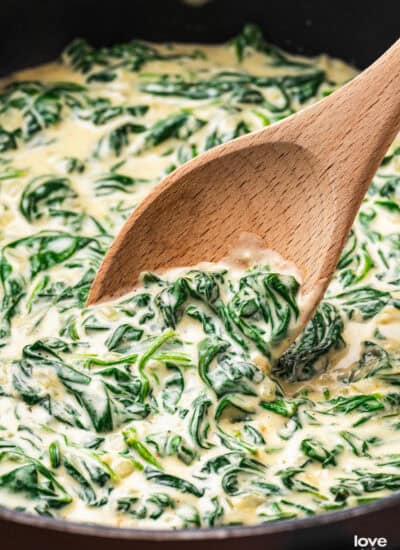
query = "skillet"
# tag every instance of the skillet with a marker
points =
(36, 31)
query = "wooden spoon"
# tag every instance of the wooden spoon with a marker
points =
(297, 184)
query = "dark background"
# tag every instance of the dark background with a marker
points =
(34, 31)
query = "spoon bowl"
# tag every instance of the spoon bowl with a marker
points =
(297, 185)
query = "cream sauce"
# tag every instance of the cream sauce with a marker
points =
(164, 409)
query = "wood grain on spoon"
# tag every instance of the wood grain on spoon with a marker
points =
(297, 184)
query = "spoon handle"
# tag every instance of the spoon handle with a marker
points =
(352, 129)
(345, 138)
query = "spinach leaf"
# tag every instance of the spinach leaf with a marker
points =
(121, 339)
(373, 359)
(308, 354)
(116, 140)
(173, 389)
(247, 476)
(87, 479)
(169, 480)
(170, 444)
(283, 407)
(8, 140)
(213, 516)
(103, 115)
(199, 423)
(316, 451)
(108, 184)
(153, 506)
(365, 482)
(34, 480)
(41, 104)
(358, 445)
(291, 481)
(361, 403)
(43, 194)
(132, 440)
(268, 298)
(365, 301)
(103, 64)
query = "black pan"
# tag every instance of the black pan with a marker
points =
(358, 31)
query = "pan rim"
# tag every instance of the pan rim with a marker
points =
(210, 533)
(205, 533)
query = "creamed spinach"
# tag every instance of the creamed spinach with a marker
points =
(170, 407)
